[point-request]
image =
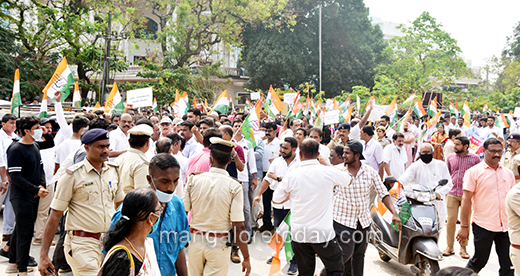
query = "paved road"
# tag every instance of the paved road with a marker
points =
(260, 252)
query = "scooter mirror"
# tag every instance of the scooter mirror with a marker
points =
(443, 182)
(389, 182)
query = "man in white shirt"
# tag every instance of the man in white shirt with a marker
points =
(462, 127)
(394, 156)
(373, 150)
(176, 151)
(358, 124)
(310, 189)
(317, 134)
(165, 126)
(192, 147)
(428, 172)
(119, 137)
(389, 130)
(271, 151)
(496, 131)
(73, 143)
(6, 138)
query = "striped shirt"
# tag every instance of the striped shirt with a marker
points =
(457, 166)
(351, 203)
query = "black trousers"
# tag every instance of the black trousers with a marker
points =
(267, 197)
(329, 253)
(20, 243)
(483, 240)
(353, 243)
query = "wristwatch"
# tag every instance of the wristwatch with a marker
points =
(235, 155)
(5, 183)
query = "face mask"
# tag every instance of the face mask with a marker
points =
(163, 197)
(156, 224)
(37, 134)
(405, 130)
(261, 134)
(398, 147)
(427, 158)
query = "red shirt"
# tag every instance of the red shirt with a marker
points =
(458, 166)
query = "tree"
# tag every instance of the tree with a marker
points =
(512, 49)
(287, 55)
(424, 58)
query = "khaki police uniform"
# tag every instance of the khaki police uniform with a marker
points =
(216, 200)
(511, 160)
(133, 168)
(90, 198)
(339, 142)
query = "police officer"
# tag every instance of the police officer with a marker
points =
(216, 202)
(511, 158)
(91, 192)
(133, 164)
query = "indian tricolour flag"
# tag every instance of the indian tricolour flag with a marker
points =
(251, 125)
(345, 117)
(485, 109)
(76, 97)
(281, 244)
(465, 114)
(391, 111)
(418, 109)
(432, 108)
(274, 104)
(453, 110)
(434, 120)
(398, 198)
(501, 121)
(61, 80)
(154, 105)
(114, 103)
(371, 102)
(403, 122)
(222, 103)
(409, 101)
(16, 99)
(43, 106)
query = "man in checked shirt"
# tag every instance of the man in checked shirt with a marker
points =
(351, 212)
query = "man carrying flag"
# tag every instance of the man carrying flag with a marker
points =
(310, 188)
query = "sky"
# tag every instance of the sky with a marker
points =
(480, 27)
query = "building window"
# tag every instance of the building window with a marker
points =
(147, 29)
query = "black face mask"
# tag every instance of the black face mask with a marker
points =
(427, 158)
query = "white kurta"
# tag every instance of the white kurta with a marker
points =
(429, 176)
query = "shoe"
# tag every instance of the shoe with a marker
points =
(65, 268)
(37, 242)
(6, 237)
(14, 269)
(235, 258)
(293, 268)
(32, 262)
(4, 253)
(266, 228)
(269, 261)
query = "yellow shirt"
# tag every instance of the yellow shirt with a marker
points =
(133, 169)
(511, 160)
(90, 196)
(216, 200)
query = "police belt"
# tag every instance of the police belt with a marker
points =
(515, 246)
(84, 234)
(517, 177)
(210, 234)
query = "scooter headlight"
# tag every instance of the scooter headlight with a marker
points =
(419, 196)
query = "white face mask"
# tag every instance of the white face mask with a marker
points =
(261, 134)
(37, 134)
(163, 197)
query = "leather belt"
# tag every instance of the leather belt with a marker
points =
(515, 246)
(84, 234)
(210, 234)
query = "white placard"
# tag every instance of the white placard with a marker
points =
(517, 112)
(331, 117)
(255, 95)
(288, 98)
(377, 112)
(140, 97)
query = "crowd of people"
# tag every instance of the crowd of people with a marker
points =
(147, 193)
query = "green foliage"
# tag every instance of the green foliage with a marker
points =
(506, 102)
(424, 58)
(512, 49)
(286, 55)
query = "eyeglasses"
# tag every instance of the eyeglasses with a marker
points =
(160, 210)
(495, 151)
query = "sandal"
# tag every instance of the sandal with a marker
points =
(464, 255)
(447, 253)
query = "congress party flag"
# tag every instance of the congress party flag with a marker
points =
(281, 244)
(418, 109)
(398, 198)
(371, 102)
(43, 106)
(485, 109)
(391, 111)
(347, 115)
(154, 105)
(76, 97)
(403, 122)
(16, 99)
(222, 103)
(251, 125)
(61, 80)
(409, 101)
(453, 110)
(501, 121)
(434, 120)
(274, 103)
(114, 103)
(432, 108)
(465, 114)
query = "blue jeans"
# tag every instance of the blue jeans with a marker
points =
(8, 215)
